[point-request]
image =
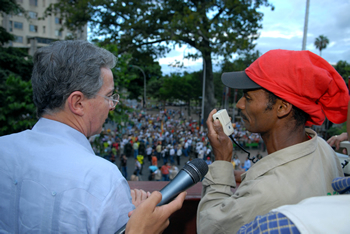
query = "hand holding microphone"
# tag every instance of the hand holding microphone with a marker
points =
(150, 218)
(189, 175)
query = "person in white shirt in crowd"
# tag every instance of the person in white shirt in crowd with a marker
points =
(172, 154)
(201, 153)
(178, 154)
(186, 149)
(149, 151)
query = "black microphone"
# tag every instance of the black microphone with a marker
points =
(189, 175)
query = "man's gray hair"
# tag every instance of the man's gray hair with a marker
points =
(65, 67)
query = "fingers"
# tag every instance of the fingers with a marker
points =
(144, 195)
(138, 196)
(337, 144)
(210, 121)
(330, 141)
(335, 140)
(218, 127)
(154, 199)
(150, 218)
(176, 204)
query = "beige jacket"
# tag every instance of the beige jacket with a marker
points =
(283, 177)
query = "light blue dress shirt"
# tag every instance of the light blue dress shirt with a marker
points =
(52, 182)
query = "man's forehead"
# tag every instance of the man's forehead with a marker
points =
(251, 90)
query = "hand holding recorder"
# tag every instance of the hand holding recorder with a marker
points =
(219, 124)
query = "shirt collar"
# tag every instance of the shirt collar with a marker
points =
(282, 156)
(61, 130)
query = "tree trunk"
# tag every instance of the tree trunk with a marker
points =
(189, 108)
(209, 100)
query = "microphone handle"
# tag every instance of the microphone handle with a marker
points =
(121, 230)
(180, 183)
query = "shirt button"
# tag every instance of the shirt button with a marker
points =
(53, 193)
(15, 182)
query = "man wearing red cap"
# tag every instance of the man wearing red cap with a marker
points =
(284, 91)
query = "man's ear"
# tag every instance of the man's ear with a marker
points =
(76, 103)
(283, 108)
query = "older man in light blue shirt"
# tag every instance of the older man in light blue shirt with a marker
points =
(50, 179)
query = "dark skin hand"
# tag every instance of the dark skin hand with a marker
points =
(220, 142)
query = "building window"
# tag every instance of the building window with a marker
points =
(18, 25)
(58, 20)
(10, 26)
(33, 15)
(44, 40)
(33, 28)
(19, 39)
(58, 33)
(44, 29)
(33, 2)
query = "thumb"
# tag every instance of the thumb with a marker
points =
(153, 199)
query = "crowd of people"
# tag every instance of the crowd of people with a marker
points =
(163, 140)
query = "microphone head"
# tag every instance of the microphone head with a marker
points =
(197, 169)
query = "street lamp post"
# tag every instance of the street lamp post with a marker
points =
(144, 85)
(303, 47)
(203, 95)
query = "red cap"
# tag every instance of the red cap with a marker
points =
(302, 78)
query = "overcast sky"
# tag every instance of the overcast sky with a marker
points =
(283, 29)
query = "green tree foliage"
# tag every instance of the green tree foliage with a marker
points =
(186, 87)
(343, 68)
(153, 87)
(17, 110)
(150, 68)
(15, 61)
(321, 43)
(336, 130)
(213, 28)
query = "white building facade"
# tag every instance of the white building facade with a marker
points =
(35, 33)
